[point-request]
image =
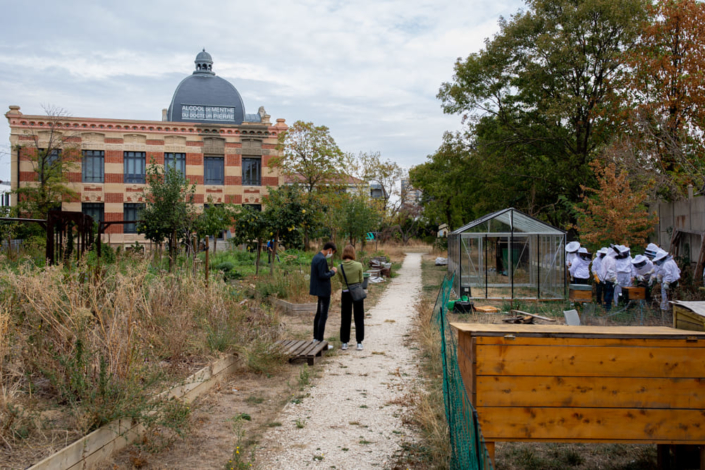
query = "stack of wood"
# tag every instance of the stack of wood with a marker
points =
(525, 318)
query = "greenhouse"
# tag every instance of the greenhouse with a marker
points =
(508, 255)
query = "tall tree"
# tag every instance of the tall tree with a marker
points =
(614, 213)
(53, 152)
(371, 168)
(537, 97)
(310, 155)
(169, 209)
(665, 96)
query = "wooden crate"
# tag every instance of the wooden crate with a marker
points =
(634, 293)
(580, 295)
(557, 383)
(689, 315)
(486, 309)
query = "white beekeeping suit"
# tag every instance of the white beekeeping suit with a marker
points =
(571, 252)
(580, 267)
(597, 264)
(668, 274)
(624, 270)
(643, 268)
(651, 250)
(609, 267)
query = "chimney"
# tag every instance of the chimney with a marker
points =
(164, 111)
(690, 191)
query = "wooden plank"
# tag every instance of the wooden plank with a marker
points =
(307, 350)
(296, 351)
(590, 362)
(511, 340)
(318, 348)
(553, 320)
(591, 392)
(486, 329)
(505, 423)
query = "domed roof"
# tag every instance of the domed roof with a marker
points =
(204, 97)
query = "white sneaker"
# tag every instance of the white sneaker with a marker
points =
(359, 346)
(315, 341)
(330, 346)
(344, 346)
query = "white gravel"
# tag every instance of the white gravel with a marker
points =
(350, 420)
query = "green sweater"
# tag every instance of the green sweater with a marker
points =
(353, 271)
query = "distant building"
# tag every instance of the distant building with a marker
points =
(376, 191)
(205, 133)
(411, 196)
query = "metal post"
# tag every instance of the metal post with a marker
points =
(460, 265)
(207, 265)
(486, 276)
(511, 252)
(538, 267)
(565, 269)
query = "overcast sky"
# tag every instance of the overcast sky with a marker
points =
(369, 70)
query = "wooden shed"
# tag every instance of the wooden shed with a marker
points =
(589, 384)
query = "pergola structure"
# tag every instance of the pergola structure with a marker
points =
(508, 255)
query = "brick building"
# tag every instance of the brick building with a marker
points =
(204, 133)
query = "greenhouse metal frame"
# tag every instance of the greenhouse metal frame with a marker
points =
(508, 255)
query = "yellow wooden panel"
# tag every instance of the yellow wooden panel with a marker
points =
(480, 329)
(590, 362)
(686, 320)
(590, 392)
(691, 341)
(506, 423)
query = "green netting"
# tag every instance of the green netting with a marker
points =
(468, 446)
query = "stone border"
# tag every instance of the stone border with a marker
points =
(91, 450)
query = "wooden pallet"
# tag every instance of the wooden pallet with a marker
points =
(303, 350)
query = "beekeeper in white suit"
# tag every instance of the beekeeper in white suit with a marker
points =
(609, 277)
(624, 270)
(667, 274)
(571, 252)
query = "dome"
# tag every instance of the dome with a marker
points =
(204, 97)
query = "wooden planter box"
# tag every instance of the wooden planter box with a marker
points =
(290, 307)
(558, 383)
(92, 450)
(689, 315)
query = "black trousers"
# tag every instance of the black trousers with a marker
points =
(319, 321)
(608, 291)
(577, 280)
(346, 311)
(598, 292)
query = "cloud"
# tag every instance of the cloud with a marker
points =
(367, 69)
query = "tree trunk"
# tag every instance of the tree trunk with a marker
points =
(215, 243)
(259, 250)
(307, 241)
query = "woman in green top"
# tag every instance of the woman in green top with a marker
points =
(353, 273)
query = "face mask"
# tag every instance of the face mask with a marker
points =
(329, 255)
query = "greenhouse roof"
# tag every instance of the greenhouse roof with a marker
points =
(507, 221)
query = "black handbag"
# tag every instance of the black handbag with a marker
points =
(356, 291)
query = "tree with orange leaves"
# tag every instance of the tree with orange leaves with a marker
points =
(665, 96)
(613, 213)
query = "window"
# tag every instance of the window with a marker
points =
(214, 170)
(94, 209)
(176, 160)
(53, 156)
(255, 207)
(93, 166)
(134, 167)
(132, 212)
(252, 171)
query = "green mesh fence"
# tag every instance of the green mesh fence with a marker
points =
(468, 447)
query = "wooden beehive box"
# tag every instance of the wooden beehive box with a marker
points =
(580, 295)
(557, 383)
(486, 309)
(634, 293)
(689, 315)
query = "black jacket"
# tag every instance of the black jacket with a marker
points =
(320, 276)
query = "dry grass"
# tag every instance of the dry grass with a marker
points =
(80, 350)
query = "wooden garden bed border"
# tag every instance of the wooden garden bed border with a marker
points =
(291, 307)
(91, 450)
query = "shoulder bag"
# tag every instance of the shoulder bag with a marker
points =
(356, 291)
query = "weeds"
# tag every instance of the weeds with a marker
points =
(304, 376)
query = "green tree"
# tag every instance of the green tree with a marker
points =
(538, 99)
(53, 152)
(309, 156)
(214, 219)
(169, 209)
(356, 215)
(251, 226)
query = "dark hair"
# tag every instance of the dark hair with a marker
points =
(349, 253)
(330, 245)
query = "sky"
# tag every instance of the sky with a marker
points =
(369, 70)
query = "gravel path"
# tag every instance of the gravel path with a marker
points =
(351, 417)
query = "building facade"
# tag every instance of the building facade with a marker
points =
(204, 133)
